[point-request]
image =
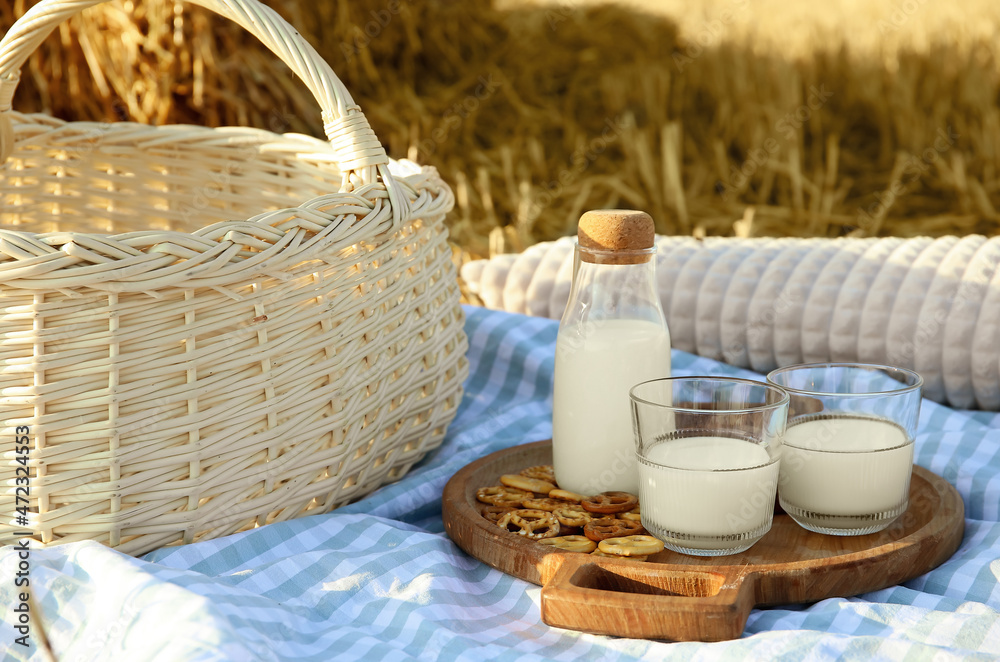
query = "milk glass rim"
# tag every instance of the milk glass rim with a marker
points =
(918, 381)
(783, 402)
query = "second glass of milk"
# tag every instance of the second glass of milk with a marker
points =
(708, 450)
(848, 451)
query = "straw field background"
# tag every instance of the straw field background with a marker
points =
(745, 117)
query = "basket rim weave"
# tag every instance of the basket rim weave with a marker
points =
(156, 259)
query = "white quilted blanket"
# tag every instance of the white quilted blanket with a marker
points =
(932, 305)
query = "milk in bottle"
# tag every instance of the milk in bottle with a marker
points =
(612, 336)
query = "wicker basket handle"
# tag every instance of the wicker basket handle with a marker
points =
(358, 150)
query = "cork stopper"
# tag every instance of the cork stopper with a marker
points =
(624, 230)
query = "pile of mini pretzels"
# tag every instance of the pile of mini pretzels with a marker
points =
(532, 505)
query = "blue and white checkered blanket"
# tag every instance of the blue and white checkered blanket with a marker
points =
(380, 580)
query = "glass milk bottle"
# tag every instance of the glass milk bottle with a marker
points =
(612, 336)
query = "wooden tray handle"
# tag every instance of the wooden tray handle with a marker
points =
(644, 600)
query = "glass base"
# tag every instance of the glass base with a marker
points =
(843, 525)
(697, 545)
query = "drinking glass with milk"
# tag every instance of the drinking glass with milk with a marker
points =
(848, 451)
(613, 335)
(709, 454)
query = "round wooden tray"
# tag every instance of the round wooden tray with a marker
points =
(688, 598)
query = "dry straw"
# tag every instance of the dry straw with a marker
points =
(180, 375)
(747, 117)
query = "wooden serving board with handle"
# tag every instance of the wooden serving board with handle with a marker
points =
(687, 598)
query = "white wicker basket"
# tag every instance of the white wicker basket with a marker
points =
(183, 375)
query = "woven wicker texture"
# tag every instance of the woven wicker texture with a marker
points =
(929, 305)
(185, 375)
